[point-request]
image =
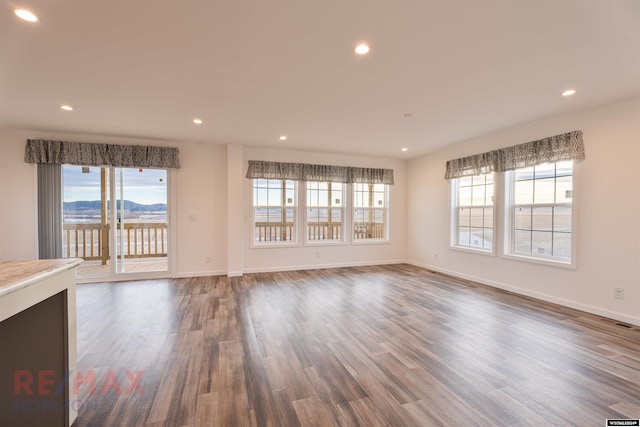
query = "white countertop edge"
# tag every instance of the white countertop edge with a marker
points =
(33, 278)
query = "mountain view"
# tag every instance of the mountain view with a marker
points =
(88, 211)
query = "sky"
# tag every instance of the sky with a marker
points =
(146, 187)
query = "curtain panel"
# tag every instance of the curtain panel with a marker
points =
(566, 146)
(49, 211)
(259, 169)
(91, 154)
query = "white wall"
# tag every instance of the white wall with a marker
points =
(200, 193)
(607, 203)
(212, 207)
(272, 259)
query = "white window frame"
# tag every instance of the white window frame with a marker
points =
(509, 223)
(386, 227)
(343, 226)
(296, 218)
(454, 218)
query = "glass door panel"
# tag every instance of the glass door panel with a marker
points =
(85, 208)
(141, 232)
(133, 199)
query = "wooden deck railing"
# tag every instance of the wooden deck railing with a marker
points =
(316, 231)
(366, 230)
(91, 241)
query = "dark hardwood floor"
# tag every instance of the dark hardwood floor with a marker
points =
(369, 346)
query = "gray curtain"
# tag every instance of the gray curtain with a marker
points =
(90, 154)
(259, 169)
(566, 146)
(49, 211)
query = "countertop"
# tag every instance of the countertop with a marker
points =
(15, 275)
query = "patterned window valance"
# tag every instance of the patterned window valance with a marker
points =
(567, 146)
(259, 169)
(90, 154)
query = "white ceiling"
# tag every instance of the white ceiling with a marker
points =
(255, 70)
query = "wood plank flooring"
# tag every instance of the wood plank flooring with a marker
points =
(368, 346)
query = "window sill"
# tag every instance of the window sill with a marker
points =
(473, 250)
(274, 245)
(370, 242)
(326, 243)
(541, 261)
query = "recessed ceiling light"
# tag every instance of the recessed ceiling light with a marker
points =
(283, 138)
(568, 92)
(26, 15)
(197, 121)
(67, 107)
(408, 116)
(405, 149)
(362, 49)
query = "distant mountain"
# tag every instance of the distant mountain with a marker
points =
(94, 205)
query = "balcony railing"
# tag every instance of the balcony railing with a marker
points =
(316, 231)
(91, 241)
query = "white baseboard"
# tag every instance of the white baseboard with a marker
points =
(188, 274)
(321, 266)
(235, 274)
(544, 297)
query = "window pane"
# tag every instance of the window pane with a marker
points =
(564, 168)
(488, 238)
(378, 216)
(313, 215)
(289, 214)
(336, 215)
(478, 180)
(489, 195)
(550, 226)
(523, 218)
(524, 173)
(523, 192)
(562, 219)
(465, 181)
(489, 178)
(541, 243)
(562, 245)
(464, 218)
(290, 197)
(274, 197)
(323, 198)
(488, 217)
(546, 170)
(359, 215)
(464, 196)
(544, 190)
(463, 236)
(476, 237)
(477, 195)
(564, 186)
(543, 219)
(274, 215)
(522, 242)
(378, 199)
(477, 217)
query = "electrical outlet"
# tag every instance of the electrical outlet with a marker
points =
(317, 254)
(436, 256)
(207, 260)
(618, 293)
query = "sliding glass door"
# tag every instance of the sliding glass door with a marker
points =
(116, 219)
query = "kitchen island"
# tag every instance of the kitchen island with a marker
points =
(38, 343)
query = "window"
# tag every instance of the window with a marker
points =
(325, 212)
(472, 212)
(274, 211)
(541, 212)
(370, 213)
